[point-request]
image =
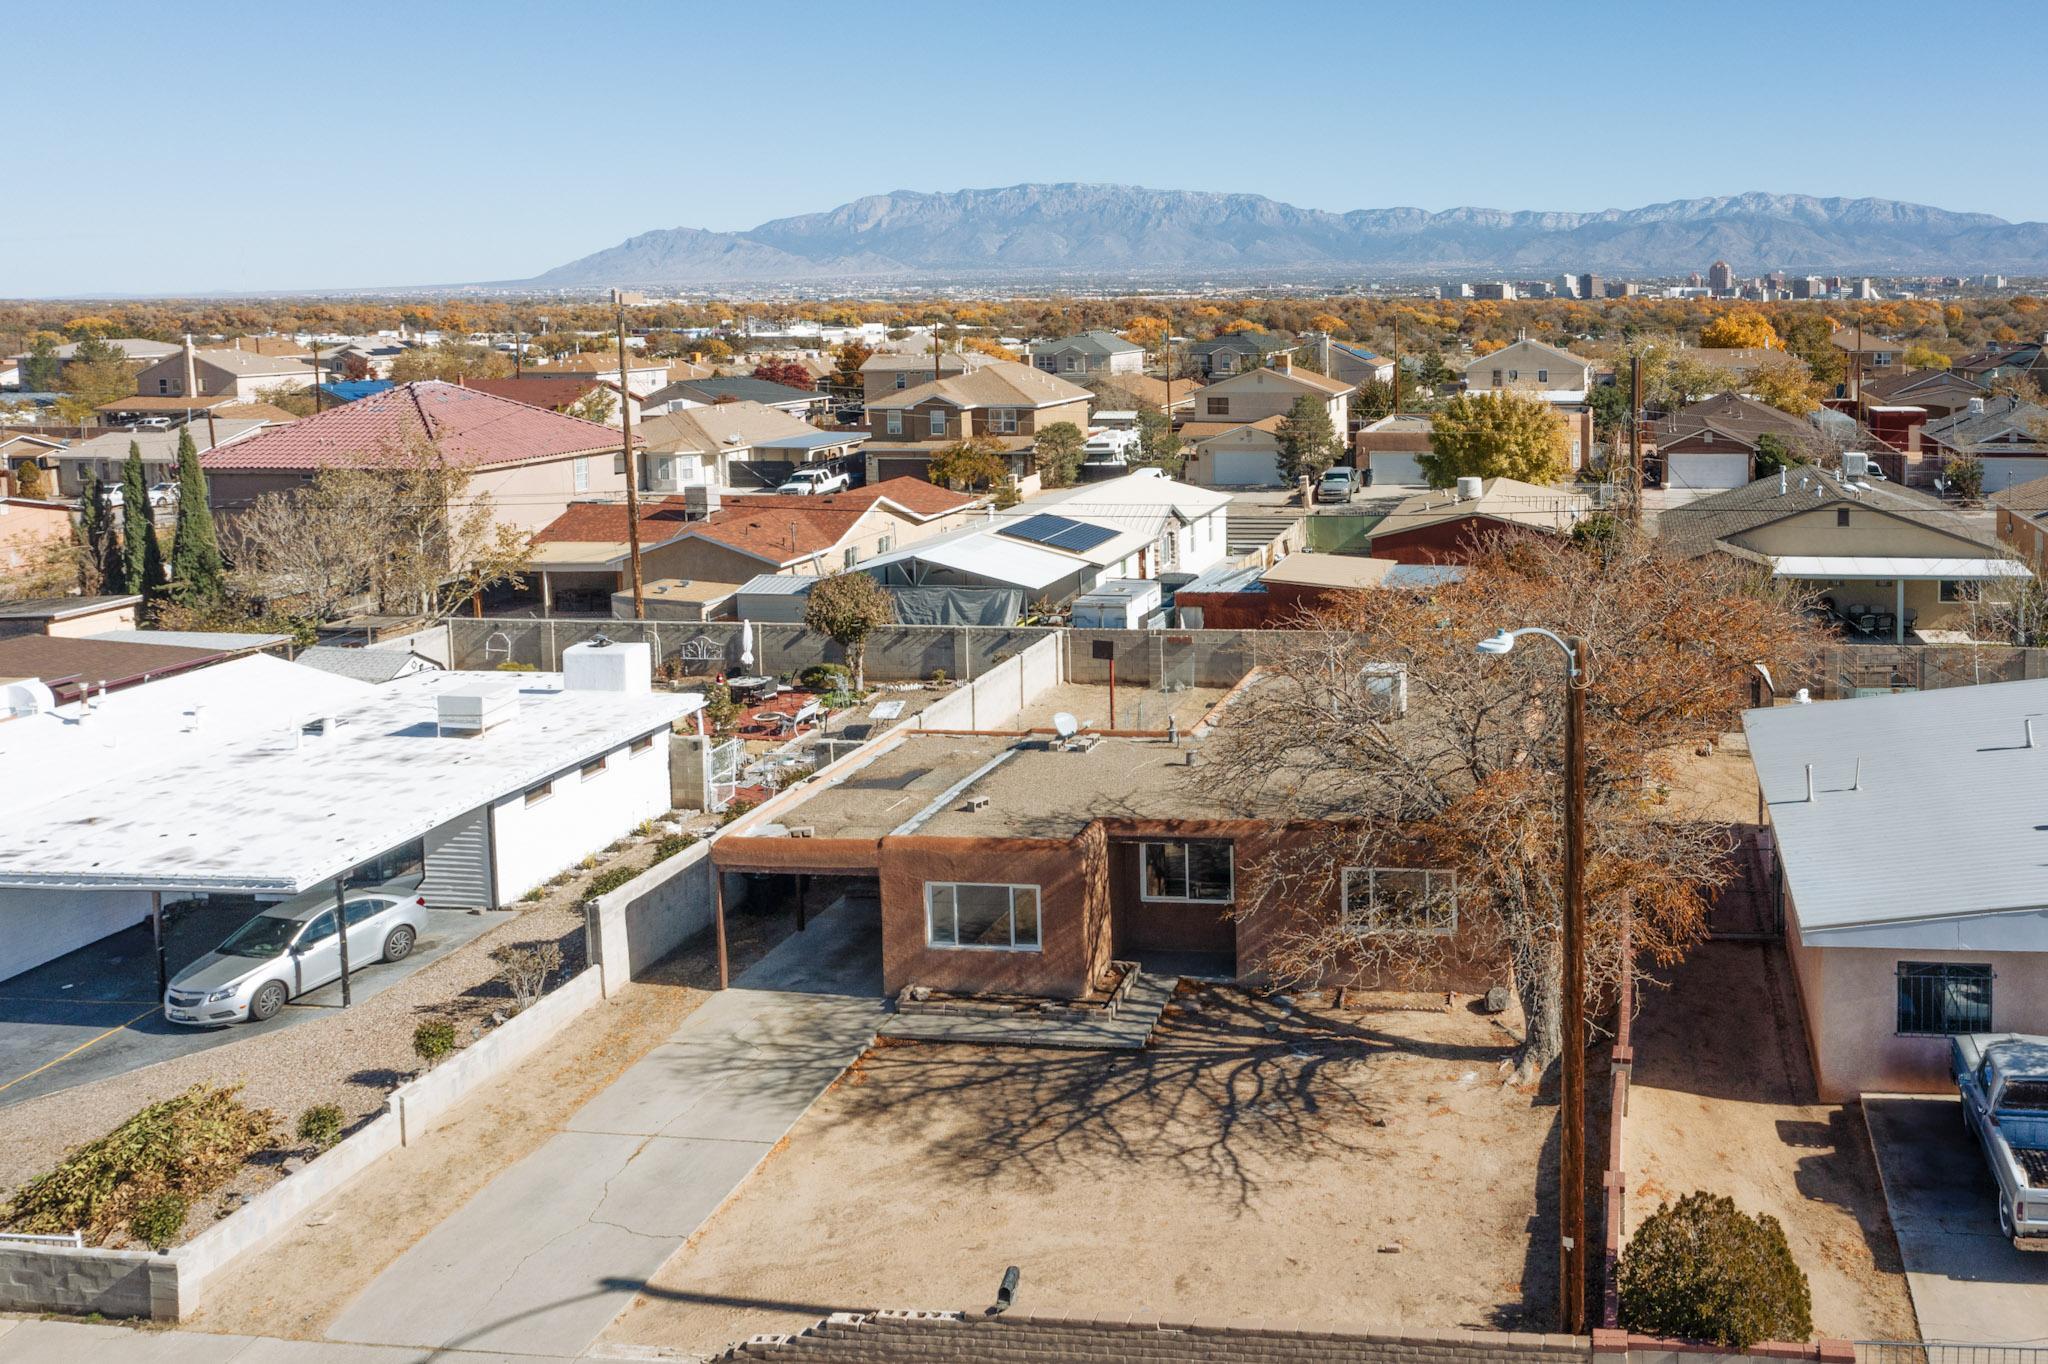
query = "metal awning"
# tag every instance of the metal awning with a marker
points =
(1889, 569)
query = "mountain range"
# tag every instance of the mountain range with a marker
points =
(1075, 230)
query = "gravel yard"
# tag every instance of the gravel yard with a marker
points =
(351, 1059)
(1333, 1166)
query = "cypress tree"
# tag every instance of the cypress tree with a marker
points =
(195, 549)
(135, 527)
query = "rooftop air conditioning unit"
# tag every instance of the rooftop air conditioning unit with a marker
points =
(1471, 489)
(1855, 465)
(471, 711)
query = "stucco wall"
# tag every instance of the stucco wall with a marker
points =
(1869, 532)
(41, 925)
(530, 843)
(1073, 914)
(1850, 997)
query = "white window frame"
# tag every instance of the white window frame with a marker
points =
(1003, 420)
(1144, 855)
(1369, 926)
(930, 902)
(851, 557)
(894, 424)
(902, 380)
(935, 423)
(581, 473)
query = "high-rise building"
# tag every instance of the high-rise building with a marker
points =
(1720, 277)
(1566, 286)
(1592, 286)
(1499, 290)
(1454, 291)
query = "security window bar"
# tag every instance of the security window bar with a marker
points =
(1937, 998)
(1408, 900)
(968, 915)
(1202, 873)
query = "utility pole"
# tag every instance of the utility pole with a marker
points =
(518, 351)
(1571, 1145)
(1635, 432)
(632, 467)
(316, 376)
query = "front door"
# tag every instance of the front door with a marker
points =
(319, 953)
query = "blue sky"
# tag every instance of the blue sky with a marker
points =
(205, 146)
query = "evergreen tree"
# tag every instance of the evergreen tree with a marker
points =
(135, 527)
(196, 571)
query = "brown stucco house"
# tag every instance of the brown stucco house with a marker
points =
(531, 462)
(1027, 865)
(1003, 400)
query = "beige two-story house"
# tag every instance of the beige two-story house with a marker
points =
(236, 374)
(889, 372)
(1529, 367)
(1003, 400)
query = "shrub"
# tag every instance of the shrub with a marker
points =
(826, 677)
(720, 710)
(939, 677)
(320, 1126)
(188, 1146)
(510, 667)
(671, 845)
(525, 968)
(734, 811)
(433, 1040)
(605, 882)
(1702, 1270)
(158, 1219)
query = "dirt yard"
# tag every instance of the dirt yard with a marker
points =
(1330, 1166)
(1724, 1101)
(301, 1283)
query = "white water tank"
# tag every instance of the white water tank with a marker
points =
(1471, 489)
(607, 665)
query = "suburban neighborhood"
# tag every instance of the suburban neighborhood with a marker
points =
(1068, 772)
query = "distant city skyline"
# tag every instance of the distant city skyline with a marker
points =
(198, 151)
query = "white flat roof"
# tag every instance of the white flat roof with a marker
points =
(988, 555)
(246, 808)
(1950, 766)
(1890, 568)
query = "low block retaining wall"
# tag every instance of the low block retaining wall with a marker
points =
(167, 1285)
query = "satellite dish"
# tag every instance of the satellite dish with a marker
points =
(1065, 725)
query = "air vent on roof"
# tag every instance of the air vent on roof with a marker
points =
(473, 710)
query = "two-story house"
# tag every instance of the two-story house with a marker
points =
(643, 374)
(1222, 356)
(887, 372)
(234, 374)
(1987, 367)
(1003, 400)
(1530, 367)
(1235, 429)
(1089, 355)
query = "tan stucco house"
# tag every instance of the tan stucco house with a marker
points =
(1003, 400)
(1529, 367)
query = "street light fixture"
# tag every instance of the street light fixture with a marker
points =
(1571, 1143)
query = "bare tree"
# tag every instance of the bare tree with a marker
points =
(1383, 728)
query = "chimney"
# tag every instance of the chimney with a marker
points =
(191, 369)
(1284, 362)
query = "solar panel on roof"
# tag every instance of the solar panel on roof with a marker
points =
(1059, 531)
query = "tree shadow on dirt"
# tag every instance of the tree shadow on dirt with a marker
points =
(1233, 1090)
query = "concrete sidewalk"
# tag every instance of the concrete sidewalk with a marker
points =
(70, 1342)
(553, 1249)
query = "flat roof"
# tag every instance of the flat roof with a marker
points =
(1889, 568)
(1953, 766)
(878, 797)
(251, 809)
(1304, 569)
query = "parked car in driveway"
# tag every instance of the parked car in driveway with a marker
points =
(2003, 1078)
(810, 482)
(288, 950)
(1337, 485)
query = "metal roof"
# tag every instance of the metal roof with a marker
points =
(227, 641)
(1952, 766)
(778, 585)
(1890, 568)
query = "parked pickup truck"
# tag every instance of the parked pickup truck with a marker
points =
(2004, 1082)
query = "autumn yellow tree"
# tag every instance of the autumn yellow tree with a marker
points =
(1496, 435)
(1149, 332)
(1737, 329)
(1785, 383)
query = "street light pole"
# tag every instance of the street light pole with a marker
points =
(1571, 1100)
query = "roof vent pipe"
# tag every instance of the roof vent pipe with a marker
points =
(2030, 731)
(1857, 785)
(1809, 783)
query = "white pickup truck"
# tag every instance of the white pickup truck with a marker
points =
(2003, 1078)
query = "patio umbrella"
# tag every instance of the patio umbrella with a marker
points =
(746, 644)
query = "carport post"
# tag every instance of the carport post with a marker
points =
(1899, 612)
(341, 932)
(718, 922)
(156, 927)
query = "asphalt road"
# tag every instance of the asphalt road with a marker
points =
(94, 1012)
(1969, 1284)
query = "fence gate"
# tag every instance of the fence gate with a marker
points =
(1937, 1352)
(726, 759)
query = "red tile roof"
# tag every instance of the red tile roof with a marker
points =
(917, 496)
(765, 533)
(536, 390)
(471, 430)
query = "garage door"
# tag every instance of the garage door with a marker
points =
(1244, 469)
(2003, 473)
(1708, 471)
(1389, 466)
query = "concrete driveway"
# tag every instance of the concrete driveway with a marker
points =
(1969, 1285)
(553, 1249)
(94, 1012)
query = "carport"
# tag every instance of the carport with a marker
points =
(799, 861)
(1888, 576)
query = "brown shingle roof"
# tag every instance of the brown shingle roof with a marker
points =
(1000, 383)
(777, 534)
(96, 662)
(1695, 527)
(914, 495)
